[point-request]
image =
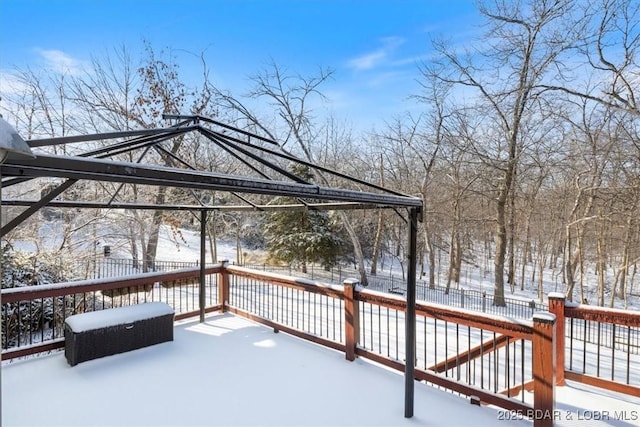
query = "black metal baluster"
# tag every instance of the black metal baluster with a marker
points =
(397, 337)
(628, 353)
(613, 350)
(42, 320)
(522, 359)
(469, 355)
(506, 368)
(446, 348)
(379, 331)
(584, 349)
(481, 360)
(598, 350)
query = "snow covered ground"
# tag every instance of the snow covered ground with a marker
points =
(475, 278)
(230, 371)
(184, 245)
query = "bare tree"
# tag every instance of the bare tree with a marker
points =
(113, 93)
(610, 41)
(292, 123)
(39, 106)
(435, 93)
(525, 41)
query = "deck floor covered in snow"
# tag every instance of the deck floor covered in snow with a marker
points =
(230, 371)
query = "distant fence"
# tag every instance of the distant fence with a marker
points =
(106, 267)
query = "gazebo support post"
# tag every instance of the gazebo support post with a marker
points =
(203, 255)
(410, 316)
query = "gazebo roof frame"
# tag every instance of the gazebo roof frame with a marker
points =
(96, 166)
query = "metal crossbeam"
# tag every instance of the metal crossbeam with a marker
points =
(132, 173)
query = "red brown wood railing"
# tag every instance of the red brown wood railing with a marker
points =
(506, 330)
(79, 291)
(538, 333)
(294, 305)
(602, 355)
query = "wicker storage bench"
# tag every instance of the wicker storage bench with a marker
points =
(106, 332)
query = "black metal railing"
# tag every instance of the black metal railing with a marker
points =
(603, 343)
(37, 320)
(454, 297)
(295, 308)
(603, 350)
(478, 357)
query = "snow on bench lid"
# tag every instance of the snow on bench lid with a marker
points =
(117, 316)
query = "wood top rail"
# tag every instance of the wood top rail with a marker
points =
(384, 300)
(503, 325)
(563, 309)
(512, 328)
(605, 315)
(333, 291)
(28, 293)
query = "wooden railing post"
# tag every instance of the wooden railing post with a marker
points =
(544, 357)
(351, 318)
(556, 306)
(223, 286)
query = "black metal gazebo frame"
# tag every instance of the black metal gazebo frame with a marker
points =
(96, 165)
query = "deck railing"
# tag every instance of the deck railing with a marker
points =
(491, 359)
(298, 306)
(460, 297)
(488, 358)
(597, 346)
(33, 316)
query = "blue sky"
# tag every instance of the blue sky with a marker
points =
(373, 46)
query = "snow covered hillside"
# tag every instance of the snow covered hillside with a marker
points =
(476, 278)
(183, 245)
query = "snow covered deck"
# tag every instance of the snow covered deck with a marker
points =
(230, 371)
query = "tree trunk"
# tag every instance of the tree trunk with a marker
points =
(541, 263)
(512, 237)
(154, 235)
(213, 238)
(152, 245)
(432, 261)
(568, 265)
(616, 279)
(501, 250)
(458, 270)
(134, 251)
(238, 245)
(601, 271)
(357, 248)
(452, 259)
(376, 245)
(580, 261)
(378, 237)
(602, 263)
(625, 260)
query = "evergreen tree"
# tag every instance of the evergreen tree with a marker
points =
(302, 236)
